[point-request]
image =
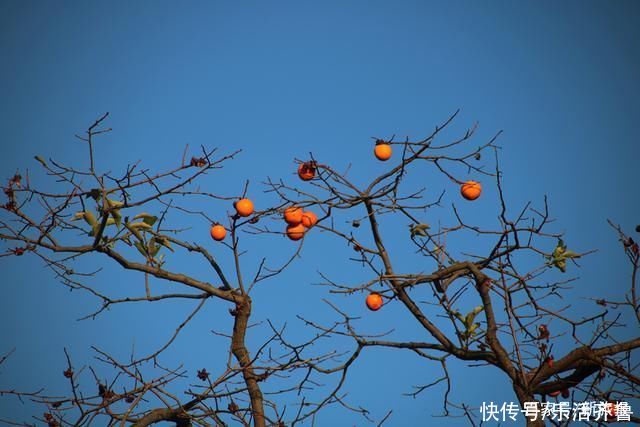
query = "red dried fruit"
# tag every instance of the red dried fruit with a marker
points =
(15, 180)
(549, 361)
(307, 170)
(544, 332)
(203, 374)
(199, 162)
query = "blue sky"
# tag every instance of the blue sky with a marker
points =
(282, 79)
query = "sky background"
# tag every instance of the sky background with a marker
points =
(282, 79)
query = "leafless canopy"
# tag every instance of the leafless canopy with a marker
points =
(496, 308)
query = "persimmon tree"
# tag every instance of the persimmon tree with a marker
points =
(496, 308)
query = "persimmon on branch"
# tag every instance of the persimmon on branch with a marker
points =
(493, 308)
(124, 220)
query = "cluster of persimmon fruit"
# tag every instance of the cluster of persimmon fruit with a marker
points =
(244, 208)
(299, 221)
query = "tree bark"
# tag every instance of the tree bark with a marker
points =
(240, 352)
(524, 396)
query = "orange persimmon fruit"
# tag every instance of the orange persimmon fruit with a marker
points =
(244, 207)
(218, 232)
(309, 219)
(293, 215)
(295, 232)
(307, 171)
(382, 151)
(374, 301)
(471, 190)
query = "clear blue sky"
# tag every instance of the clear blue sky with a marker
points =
(280, 79)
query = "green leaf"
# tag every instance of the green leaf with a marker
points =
(117, 217)
(90, 218)
(142, 225)
(141, 248)
(419, 230)
(559, 249)
(468, 320)
(570, 254)
(114, 203)
(560, 255)
(153, 248)
(77, 216)
(164, 242)
(471, 316)
(134, 231)
(150, 220)
(94, 230)
(41, 160)
(147, 218)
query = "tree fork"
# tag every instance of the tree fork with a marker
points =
(525, 396)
